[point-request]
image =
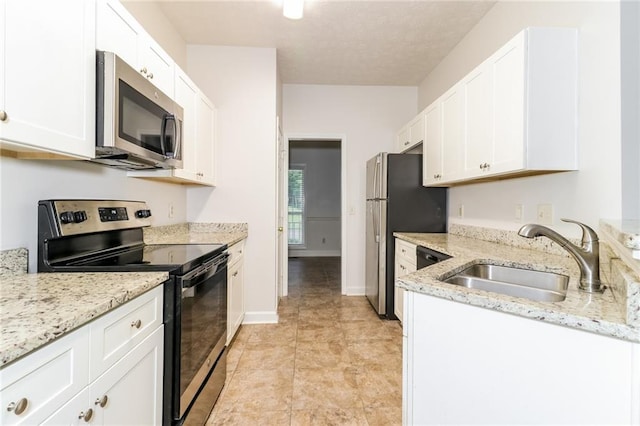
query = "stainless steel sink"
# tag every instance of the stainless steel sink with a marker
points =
(533, 285)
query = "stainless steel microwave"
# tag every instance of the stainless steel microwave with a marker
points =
(137, 126)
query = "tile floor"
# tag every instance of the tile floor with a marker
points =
(329, 361)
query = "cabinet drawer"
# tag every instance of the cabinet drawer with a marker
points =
(116, 333)
(46, 379)
(406, 250)
(235, 252)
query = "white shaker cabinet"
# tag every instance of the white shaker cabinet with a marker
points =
(411, 135)
(47, 78)
(469, 365)
(235, 289)
(403, 139)
(118, 32)
(405, 263)
(517, 112)
(106, 372)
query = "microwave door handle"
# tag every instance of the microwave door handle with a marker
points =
(163, 134)
(169, 118)
(177, 139)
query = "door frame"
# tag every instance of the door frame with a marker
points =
(342, 138)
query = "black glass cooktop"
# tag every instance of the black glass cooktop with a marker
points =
(171, 257)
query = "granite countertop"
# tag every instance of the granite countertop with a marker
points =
(38, 308)
(598, 313)
(196, 233)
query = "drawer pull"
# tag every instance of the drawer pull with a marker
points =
(136, 323)
(19, 407)
(3, 116)
(86, 416)
(102, 402)
(235, 274)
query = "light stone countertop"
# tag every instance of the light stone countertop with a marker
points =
(197, 233)
(38, 308)
(597, 313)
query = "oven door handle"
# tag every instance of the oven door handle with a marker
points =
(205, 271)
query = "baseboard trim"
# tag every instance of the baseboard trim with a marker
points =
(355, 291)
(264, 317)
(314, 253)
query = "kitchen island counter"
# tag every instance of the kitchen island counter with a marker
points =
(36, 309)
(604, 313)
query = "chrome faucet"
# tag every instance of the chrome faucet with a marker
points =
(587, 256)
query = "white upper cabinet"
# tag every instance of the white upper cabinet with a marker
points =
(205, 140)
(118, 32)
(515, 114)
(411, 134)
(432, 148)
(47, 77)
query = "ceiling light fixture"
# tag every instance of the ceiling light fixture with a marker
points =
(293, 9)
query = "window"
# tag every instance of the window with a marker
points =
(296, 204)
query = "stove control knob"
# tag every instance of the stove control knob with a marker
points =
(79, 216)
(143, 213)
(67, 217)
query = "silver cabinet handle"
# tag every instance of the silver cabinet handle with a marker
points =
(102, 402)
(18, 407)
(144, 70)
(235, 274)
(136, 323)
(86, 416)
(406, 143)
(3, 115)
(150, 76)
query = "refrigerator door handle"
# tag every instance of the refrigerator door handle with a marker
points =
(376, 188)
(376, 224)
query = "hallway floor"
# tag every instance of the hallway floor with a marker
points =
(329, 361)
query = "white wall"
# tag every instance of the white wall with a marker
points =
(322, 196)
(24, 182)
(594, 191)
(242, 83)
(368, 117)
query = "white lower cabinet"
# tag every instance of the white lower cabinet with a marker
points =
(405, 263)
(235, 289)
(54, 385)
(468, 365)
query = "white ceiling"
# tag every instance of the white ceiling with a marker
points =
(337, 42)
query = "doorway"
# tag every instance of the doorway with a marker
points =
(312, 175)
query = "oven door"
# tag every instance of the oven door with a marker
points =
(202, 319)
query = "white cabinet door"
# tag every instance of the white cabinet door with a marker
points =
(76, 412)
(511, 370)
(118, 31)
(451, 104)
(187, 96)
(403, 139)
(235, 285)
(47, 76)
(432, 147)
(477, 88)
(508, 102)
(130, 392)
(206, 136)
(416, 130)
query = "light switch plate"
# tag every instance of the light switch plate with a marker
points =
(519, 212)
(545, 214)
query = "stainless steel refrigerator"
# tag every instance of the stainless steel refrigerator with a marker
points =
(396, 202)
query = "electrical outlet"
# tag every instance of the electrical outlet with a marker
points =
(545, 214)
(170, 210)
(519, 214)
(461, 210)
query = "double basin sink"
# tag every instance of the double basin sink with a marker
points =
(534, 285)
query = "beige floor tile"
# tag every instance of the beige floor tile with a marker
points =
(370, 330)
(357, 312)
(329, 417)
(375, 352)
(257, 390)
(380, 386)
(273, 333)
(320, 302)
(325, 388)
(315, 354)
(331, 314)
(263, 355)
(355, 301)
(319, 330)
(245, 418)
(384, 416)
(233, 355)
